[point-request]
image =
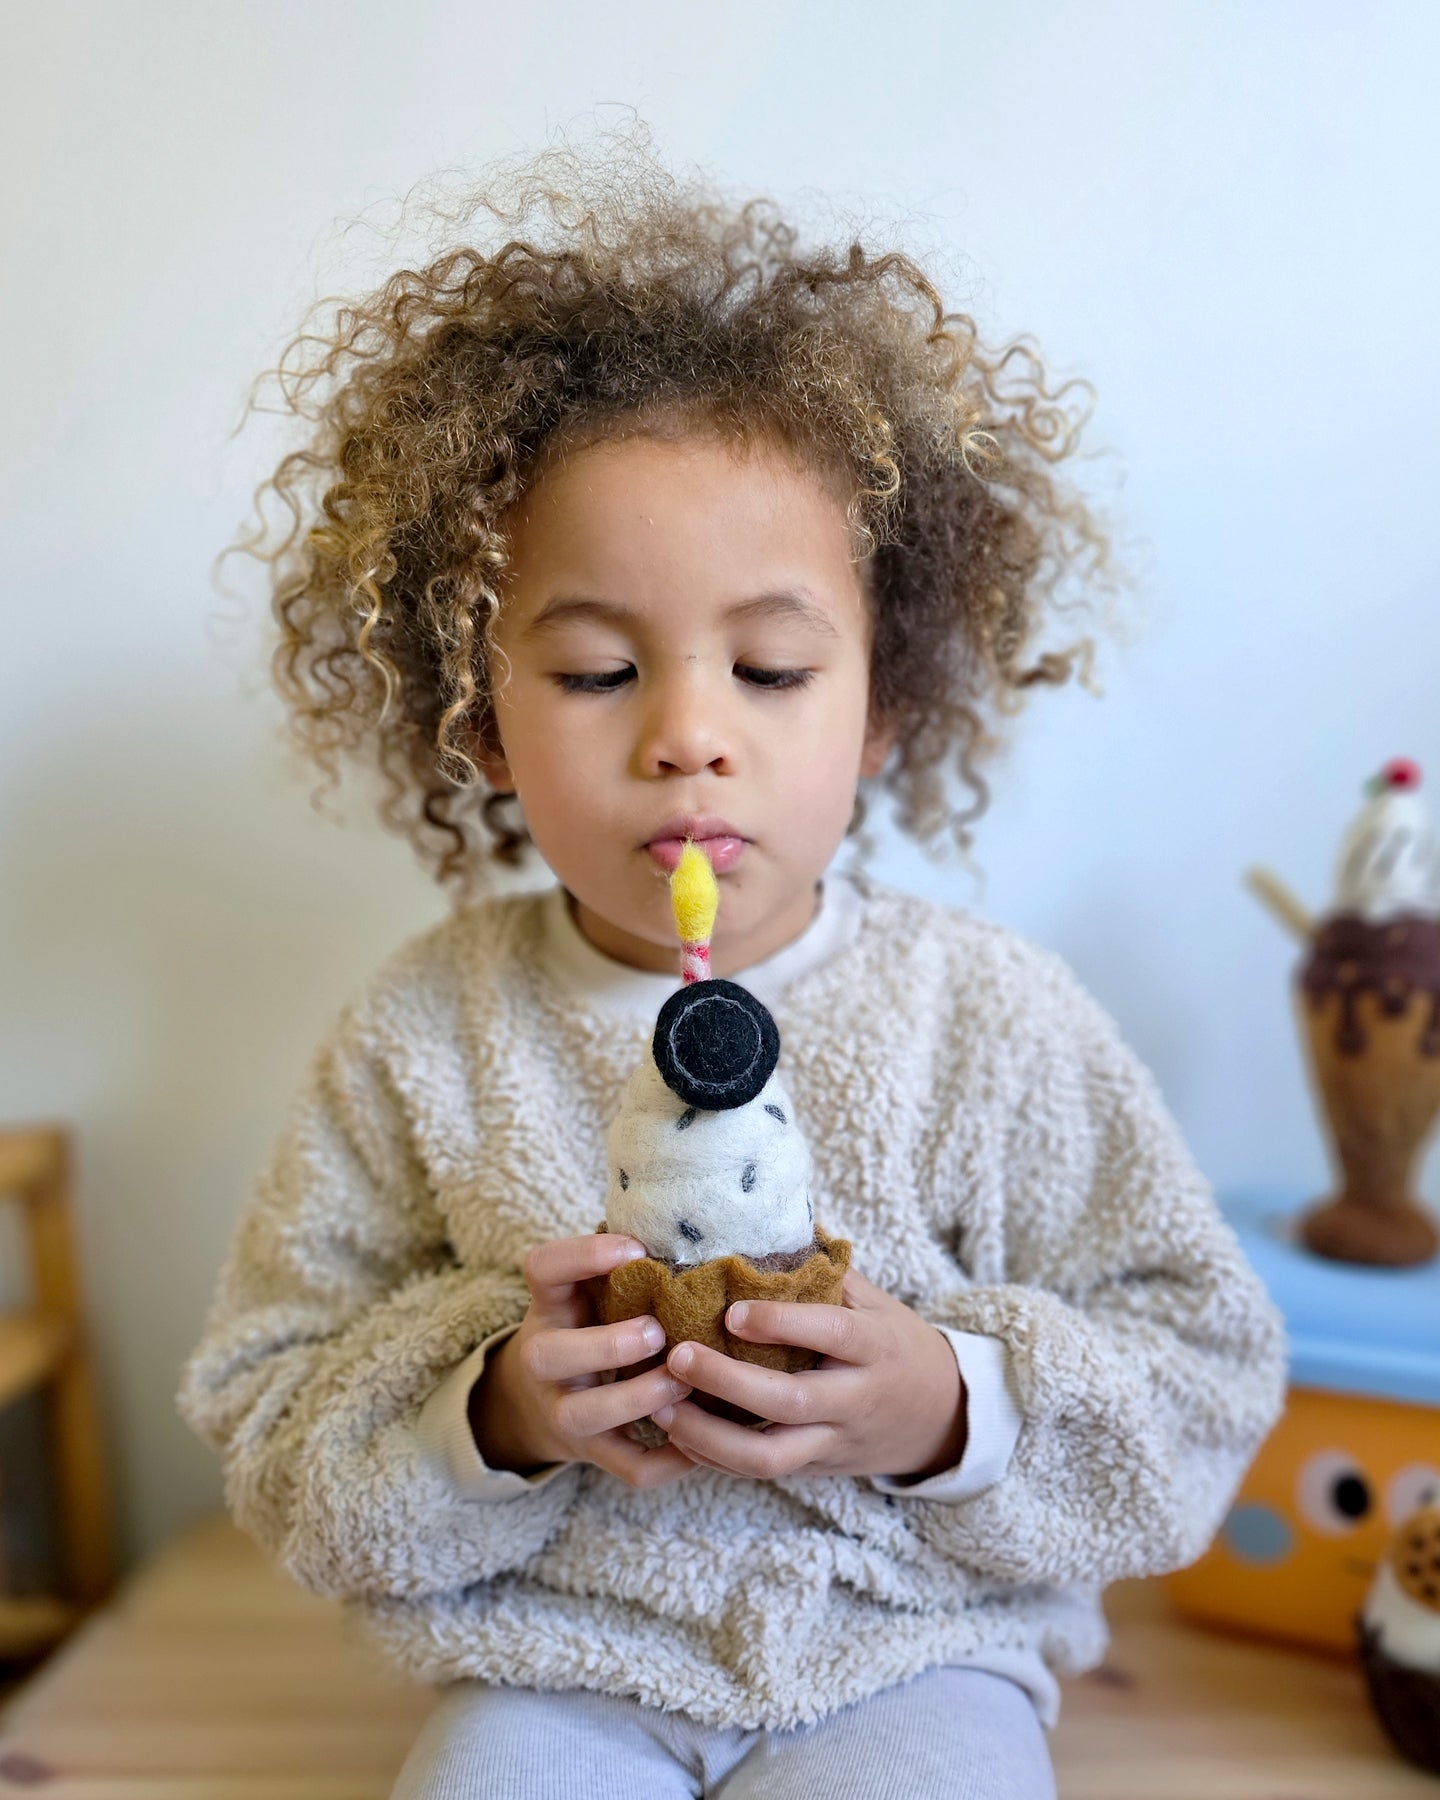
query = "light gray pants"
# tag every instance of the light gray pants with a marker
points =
(947, 1734)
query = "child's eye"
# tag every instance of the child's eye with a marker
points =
(774, 678)
(611, 679)
(604, 683)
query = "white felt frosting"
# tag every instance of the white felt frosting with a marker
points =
(1390, 859)
(1409, 1632)
(712, 1184)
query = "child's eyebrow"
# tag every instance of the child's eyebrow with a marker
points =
(796, 605)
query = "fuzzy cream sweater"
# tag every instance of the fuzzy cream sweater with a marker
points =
(1000, 1160)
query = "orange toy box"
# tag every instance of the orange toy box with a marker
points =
(1357, 1444)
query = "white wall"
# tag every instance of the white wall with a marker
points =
(1221, 213)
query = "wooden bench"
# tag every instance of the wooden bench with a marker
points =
(211, 1676)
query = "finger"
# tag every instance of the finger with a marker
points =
(742, 1449)
(838, 1331)
(857, 1289)
(809, 1397)
(589, 1411)
(702, 1462)
(562, 1352)
(554, 1270)
(620, 1455)
(707, 1462)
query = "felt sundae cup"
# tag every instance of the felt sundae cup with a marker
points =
(1368, 998)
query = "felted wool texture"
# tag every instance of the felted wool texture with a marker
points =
(691, 1303)
(694, 896)
(715, 1044)
(996, 1154)
(1406, 1701)
(693, 1184)
(1408, 1631)
(1403, 1604)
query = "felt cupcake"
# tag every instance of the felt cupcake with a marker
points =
(708, 1166)
(1399, 1632)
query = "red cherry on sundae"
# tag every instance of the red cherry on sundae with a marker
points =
(1401, 772)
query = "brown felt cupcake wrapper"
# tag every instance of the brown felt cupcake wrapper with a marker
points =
(691, 1303)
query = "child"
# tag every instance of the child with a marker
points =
(657, 527)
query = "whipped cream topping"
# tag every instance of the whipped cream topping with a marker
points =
(1390, 858)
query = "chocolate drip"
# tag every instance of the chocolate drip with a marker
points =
(1391, 958)
(773, 1262)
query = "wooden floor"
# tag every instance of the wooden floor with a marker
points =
(213, 1678)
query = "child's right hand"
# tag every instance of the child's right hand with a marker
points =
(541, 1397)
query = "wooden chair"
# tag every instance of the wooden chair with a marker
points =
(44, 1346)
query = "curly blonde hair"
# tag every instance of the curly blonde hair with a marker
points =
(623, 299)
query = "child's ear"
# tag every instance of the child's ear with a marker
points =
(879, 741)
(491, 758)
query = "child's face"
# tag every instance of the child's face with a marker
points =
(640, 620)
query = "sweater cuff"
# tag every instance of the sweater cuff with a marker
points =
(444, 1434)
(992, 1418)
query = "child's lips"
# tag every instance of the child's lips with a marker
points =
(723, 852)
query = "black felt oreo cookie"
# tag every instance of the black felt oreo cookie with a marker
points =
(715, 1044)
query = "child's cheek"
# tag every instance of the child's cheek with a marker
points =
(820, 790)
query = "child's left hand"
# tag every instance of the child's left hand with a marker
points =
(886, 1398)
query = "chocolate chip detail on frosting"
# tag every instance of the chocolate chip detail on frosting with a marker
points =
(1415, 1559)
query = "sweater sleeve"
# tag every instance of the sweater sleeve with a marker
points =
(340, 1309)
(992, 1423)
(443, 1431)
(1147, 1359)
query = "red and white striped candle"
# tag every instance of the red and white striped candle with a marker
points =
(694, 901)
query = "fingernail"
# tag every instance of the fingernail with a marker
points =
(681, 1359)
(633, 1253)
(654, 1334)
(663, 1415)
(735, 1318)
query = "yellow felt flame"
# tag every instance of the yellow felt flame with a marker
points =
(694, 895)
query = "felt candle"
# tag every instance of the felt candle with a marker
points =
(694, 901)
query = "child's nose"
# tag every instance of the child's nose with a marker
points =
(684, 730)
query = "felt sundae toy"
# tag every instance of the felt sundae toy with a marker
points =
(709, 1168)
(1368, 996)
(1399, 1632)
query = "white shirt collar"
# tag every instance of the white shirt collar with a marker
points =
(579, 968)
